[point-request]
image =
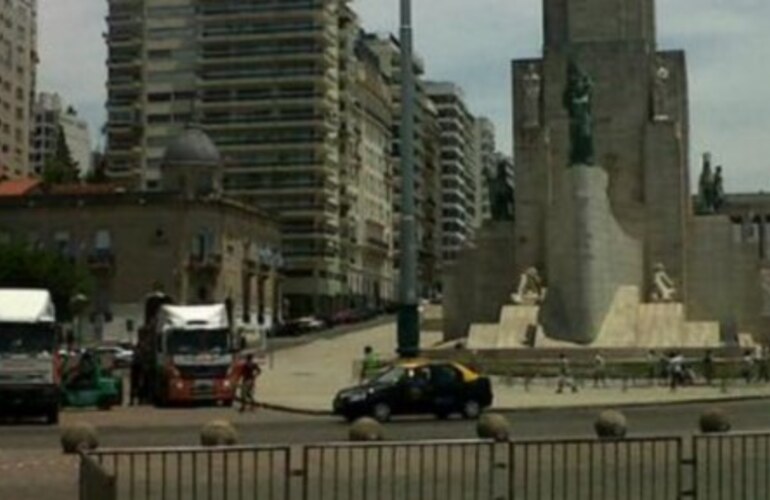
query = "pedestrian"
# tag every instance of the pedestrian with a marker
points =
(370, 363)
(565, 375)
(762, 365)
(652, 366)
(708, 367)
(747, 371)
(600, 370)
(250, 370)
(664, 368)
(136, 380)
(676, 369)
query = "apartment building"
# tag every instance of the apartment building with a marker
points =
(265, 80)
(18, 62)
(53, 123)
(366, 182)
(486, 165)
(427, 160)
(459, 172)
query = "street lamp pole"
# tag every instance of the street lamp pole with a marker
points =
(408, 314)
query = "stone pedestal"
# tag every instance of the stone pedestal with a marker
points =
(589, 257)
(481, 280)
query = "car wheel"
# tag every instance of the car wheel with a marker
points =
(104, 403)
(381, 412)
(52, 416)
(471, 409)
(442, 415)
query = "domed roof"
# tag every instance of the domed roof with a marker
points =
(192, 148)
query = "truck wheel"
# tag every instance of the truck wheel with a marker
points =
(104, 403)
(52, 416)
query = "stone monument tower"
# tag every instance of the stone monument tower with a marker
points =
(595, 229)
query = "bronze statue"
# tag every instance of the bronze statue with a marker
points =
(711, 190)
(501, 198)
(578, 97)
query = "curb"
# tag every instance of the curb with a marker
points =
(296, 411)
(538, 409)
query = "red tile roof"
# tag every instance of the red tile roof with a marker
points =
(18, 187)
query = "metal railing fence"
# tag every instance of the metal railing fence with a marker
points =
(707, 467)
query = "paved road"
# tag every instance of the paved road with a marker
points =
(180, 427)
(31, 466)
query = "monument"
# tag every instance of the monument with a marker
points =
(603, 206)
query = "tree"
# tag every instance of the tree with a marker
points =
(60, 168)
(23, 267)
(98, 174)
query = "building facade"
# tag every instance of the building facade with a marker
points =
(486, 165)
(18, 62)
(197, 245)
(54, 123)
(366, 182)
(427, 161)
(459, 172)
(264, 80)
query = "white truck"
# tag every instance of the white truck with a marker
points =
(188, 355)
(29, 361)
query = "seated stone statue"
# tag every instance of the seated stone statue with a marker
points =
(663, 288)
(530, 290)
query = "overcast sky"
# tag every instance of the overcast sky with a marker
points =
(472, 42)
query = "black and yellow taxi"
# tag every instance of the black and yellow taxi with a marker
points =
(441, 388)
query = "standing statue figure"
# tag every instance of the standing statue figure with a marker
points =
(718, 189)
(660, 94)
(532, 89)
(501, 197)
(578, 97)
(711, 190)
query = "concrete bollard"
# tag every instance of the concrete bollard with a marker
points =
(77, 437)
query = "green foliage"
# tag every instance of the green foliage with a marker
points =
(21, 267)
(60, 168)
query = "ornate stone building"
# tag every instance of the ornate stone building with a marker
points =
(199, 245)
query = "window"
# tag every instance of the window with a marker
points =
(62, 242)
(103, 240)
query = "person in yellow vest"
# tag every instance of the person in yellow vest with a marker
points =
(371, 363)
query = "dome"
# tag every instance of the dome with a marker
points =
(192, 147)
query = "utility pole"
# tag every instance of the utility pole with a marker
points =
(408, 313)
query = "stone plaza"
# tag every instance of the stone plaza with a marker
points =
(608, 247)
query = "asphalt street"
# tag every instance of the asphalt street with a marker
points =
(267, 427)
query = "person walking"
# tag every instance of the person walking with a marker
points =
(136, 396)
(676, 370)
(600, 370)
(565, 375)
(370, 364)
(250, 370)
(763, 374)
(747, 370)
(652, 367)
(708, 367)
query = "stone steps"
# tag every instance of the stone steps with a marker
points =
(629, 323)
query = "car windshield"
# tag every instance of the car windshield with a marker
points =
(28, 339)
(198, 342)
(391, 376)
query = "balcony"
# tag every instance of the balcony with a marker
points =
(101, 262)
(209, 263)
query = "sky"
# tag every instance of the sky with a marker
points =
(472, 42)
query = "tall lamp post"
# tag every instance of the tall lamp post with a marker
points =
(408, 314)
